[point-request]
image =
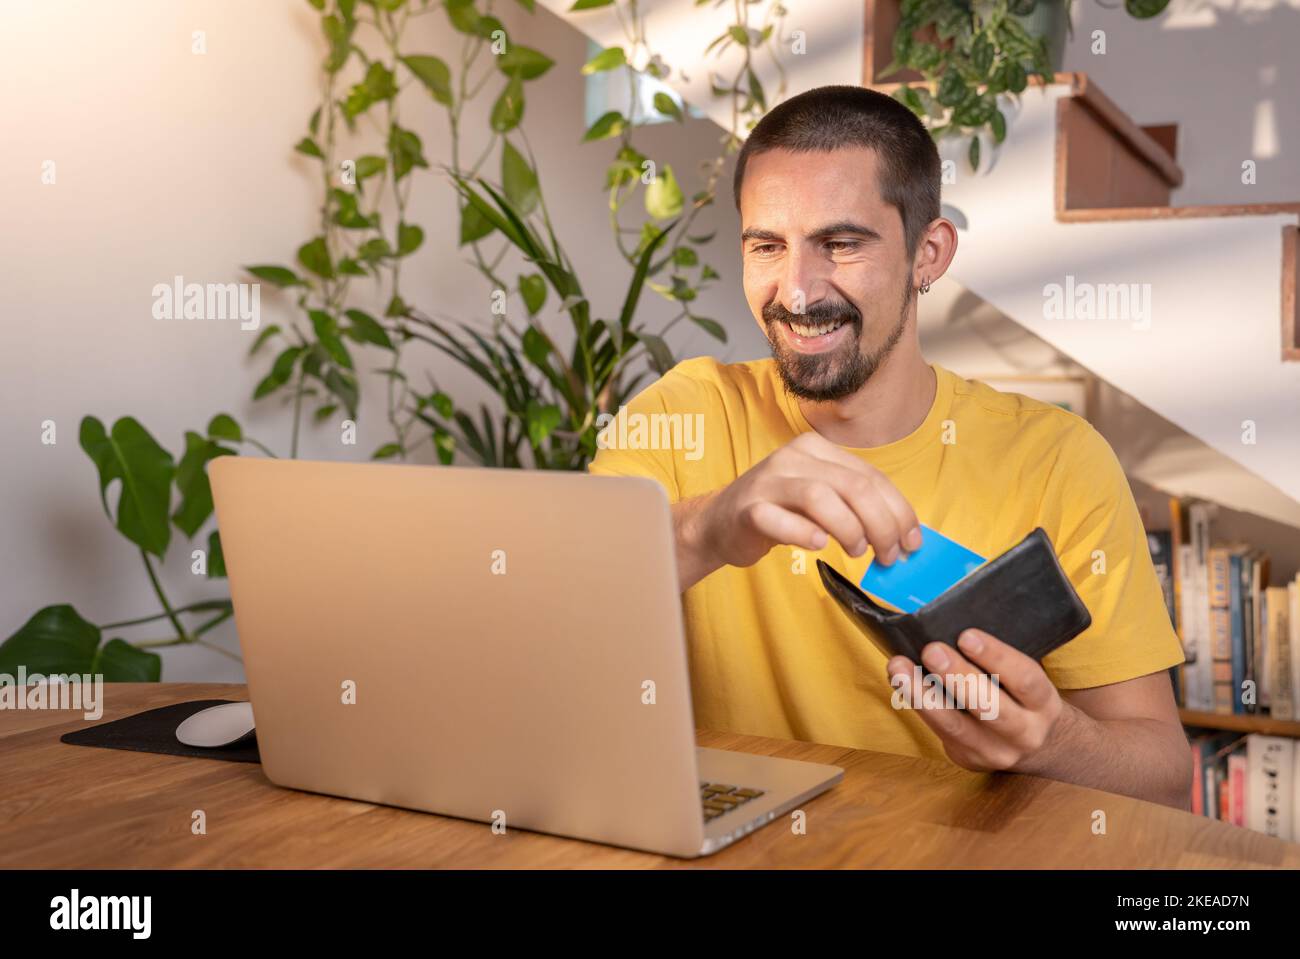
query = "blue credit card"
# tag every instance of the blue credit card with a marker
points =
(916, 578)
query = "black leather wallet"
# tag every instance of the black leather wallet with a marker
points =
(1022, 597)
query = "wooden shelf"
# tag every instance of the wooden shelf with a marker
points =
(1240, 724)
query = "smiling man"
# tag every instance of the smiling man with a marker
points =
(847, 439)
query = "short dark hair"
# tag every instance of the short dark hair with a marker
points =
(833, 117)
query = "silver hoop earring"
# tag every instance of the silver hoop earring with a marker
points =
(925, 286)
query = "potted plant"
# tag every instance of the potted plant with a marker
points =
(969, 53)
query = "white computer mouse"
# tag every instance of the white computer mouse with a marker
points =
(215, 726)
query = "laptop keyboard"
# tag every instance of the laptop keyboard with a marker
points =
(718, 799)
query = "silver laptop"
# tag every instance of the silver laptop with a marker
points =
(496, 645)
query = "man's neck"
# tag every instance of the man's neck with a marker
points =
(888, 407)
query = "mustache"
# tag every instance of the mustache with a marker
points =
(821, 312)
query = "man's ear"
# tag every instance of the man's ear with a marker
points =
(934, 251)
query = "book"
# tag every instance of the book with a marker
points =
(1238, 574)
(1279, 679)
(1199, 515)
(1236, 788)
(1208, 760)
(1247, 699)
(1293, 641)
(1257, 661)
(1160, 544)
(1223, 569)
(1198, 773)
(1295, 794)
(1270, 785)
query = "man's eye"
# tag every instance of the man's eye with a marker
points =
(763, 249)
(842, 246)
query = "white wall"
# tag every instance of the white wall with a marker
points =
(1225, 71)
(174, 163)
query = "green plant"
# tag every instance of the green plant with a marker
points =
(550, 400)
(969, 53)
(548, 393)
(156, 494)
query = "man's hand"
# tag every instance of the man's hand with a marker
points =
(1028, 709)
(802, 495)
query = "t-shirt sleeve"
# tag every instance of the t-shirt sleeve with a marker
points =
(616, 456)
(1102, 546)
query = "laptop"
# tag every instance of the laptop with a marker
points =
(496, 645)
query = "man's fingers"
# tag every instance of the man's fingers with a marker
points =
(860, 493)
(877, 490)
(820, 502)
(783, 526)
(962, 679)
(909, 527)
(1017, 673)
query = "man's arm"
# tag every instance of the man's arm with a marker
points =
(805, 493)
(1124, 737)
(694, 561)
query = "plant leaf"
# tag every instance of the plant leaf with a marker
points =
(281, 370)
(266, 333)
(278, 275)
(409, 238)
(663, 197)
(365, 328)
(433, 73)
(308, 147)
(609, 59)
(54, 640)
(129, 454)
(314, 255)
(216, 558)
(120, 662)
(712, 327)
(661, 358)
(668, 106)
(518, 179)
(509, 107)
(609, 125)
(473, 224)
(223, 427)
(533, 290)
(525, 62)
(406, 150)
(327, 332)
(542, 421)
(192, 482)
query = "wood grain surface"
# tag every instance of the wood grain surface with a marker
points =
(75, 806)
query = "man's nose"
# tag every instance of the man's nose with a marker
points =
(803, 282)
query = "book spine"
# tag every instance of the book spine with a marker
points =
(1293, 641)
(1237, 618)
(1270, 785)
(1198, 782)
(1199, 525)
(1237, 789)
(1281, 679)
(1250, 675)
(1187, 630)
(1209, 775)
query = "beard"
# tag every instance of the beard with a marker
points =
(821, 377)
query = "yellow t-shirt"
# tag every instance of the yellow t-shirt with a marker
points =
(772, 654)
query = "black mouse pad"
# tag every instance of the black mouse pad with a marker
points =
(154, 731)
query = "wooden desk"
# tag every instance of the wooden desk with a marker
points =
(75, 806)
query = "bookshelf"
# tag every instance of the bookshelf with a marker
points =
(1240, 724)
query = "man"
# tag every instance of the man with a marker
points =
(847, 438)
